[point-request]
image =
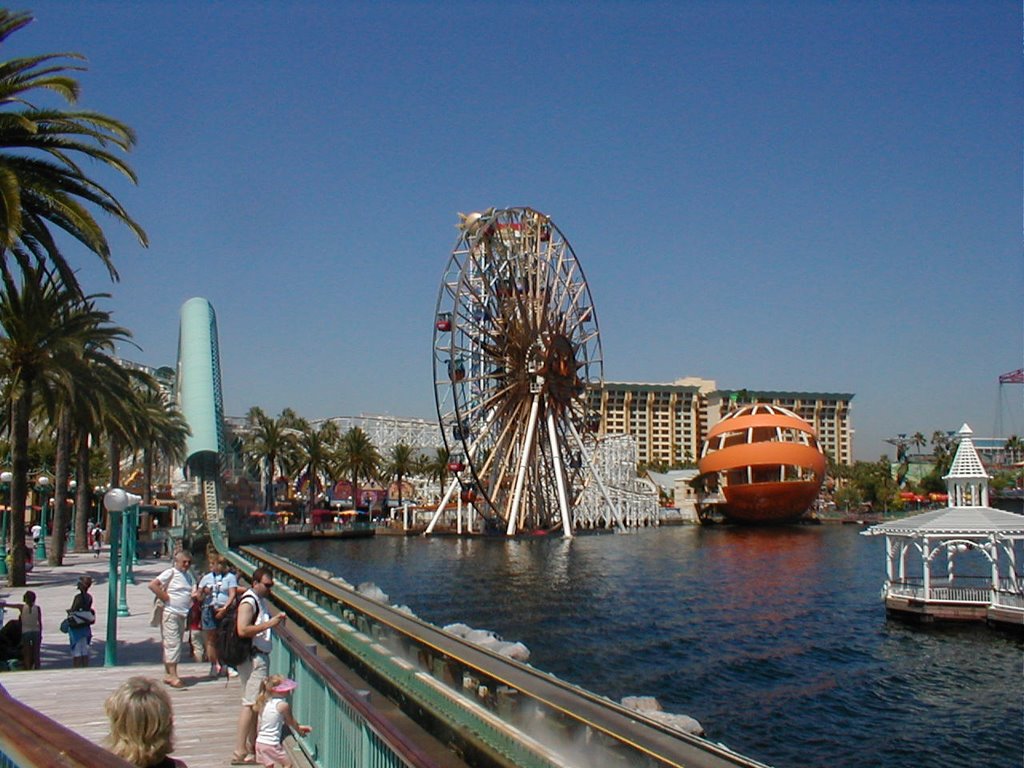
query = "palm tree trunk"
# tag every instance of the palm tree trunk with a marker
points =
(19, 482)
(60, 489)
(115, 462)
(147, 475)
(83, 499)
(270, 502)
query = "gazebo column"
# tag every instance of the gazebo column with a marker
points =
(927, 562)
(993, 550)
(1012, 563)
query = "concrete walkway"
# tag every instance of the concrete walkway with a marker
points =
(205, 711)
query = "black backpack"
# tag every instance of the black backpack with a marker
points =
(233, 649)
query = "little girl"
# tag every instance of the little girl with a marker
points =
(31, 631)
(274, 712)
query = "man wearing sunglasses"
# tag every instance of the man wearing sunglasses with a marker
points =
(255, 622)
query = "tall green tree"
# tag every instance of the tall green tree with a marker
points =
(48, 337)
(43, 184)
(268, 446)
(1014, 448)
(316, 448)
(358, 459)
(102, 400)
(436, 468)
(162, 434)
(400, 463)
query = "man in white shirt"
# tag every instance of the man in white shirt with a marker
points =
(254, 621)
(176, 588)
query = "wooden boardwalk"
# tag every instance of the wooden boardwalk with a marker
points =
(205, 711)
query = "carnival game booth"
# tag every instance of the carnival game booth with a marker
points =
(959, 563)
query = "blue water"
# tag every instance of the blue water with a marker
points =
(774, 639)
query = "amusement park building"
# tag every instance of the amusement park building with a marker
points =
(668, 421)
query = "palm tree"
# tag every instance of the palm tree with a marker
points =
(316, 448)
(358, 459)
(437, 468)
(101, 401)
(48, 335)
(42, 184)
(268, 444)
(1014, 446)
(918, 441)
(401, 461)
(163, 434)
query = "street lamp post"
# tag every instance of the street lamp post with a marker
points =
(72, 488)
(116, 500)
(42, 486)
(5, 484)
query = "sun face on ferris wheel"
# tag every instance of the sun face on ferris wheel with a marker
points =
(516, 351)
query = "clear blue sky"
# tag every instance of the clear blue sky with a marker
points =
(776, 195)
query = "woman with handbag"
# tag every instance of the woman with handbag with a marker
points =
(79, 625)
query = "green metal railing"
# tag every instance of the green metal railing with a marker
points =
(347, 731)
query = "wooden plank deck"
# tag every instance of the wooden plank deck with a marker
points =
(205, 711)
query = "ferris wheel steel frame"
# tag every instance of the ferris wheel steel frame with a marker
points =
(516, 348)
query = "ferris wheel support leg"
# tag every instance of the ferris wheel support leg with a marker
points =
(440, 507)
(597, 476)
(531, 426)
(556, 455)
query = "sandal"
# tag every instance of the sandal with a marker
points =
(174, 683)
(244, 760)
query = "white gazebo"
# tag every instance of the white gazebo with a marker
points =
(964, 535)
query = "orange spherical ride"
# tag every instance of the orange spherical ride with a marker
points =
(767, 463)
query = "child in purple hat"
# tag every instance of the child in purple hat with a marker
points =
(274, 712)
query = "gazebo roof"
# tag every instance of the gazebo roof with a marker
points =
(965, 521)
(966, 464)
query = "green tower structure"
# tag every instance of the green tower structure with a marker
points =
(201, 402)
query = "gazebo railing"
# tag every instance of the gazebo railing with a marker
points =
(1008, 595)
(1008, 600)
(977, 595)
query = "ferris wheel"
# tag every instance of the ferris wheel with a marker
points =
(516, 351)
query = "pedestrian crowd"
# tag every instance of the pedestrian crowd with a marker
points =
(202, 616)
(230, 628)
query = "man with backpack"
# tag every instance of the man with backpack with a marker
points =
(253, 622)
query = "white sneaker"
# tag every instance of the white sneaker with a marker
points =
(232, 672)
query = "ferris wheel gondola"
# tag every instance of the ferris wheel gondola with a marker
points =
(516, 353)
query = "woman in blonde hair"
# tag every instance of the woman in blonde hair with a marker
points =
(142, 724)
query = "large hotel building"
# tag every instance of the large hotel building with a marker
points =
(668, 421)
